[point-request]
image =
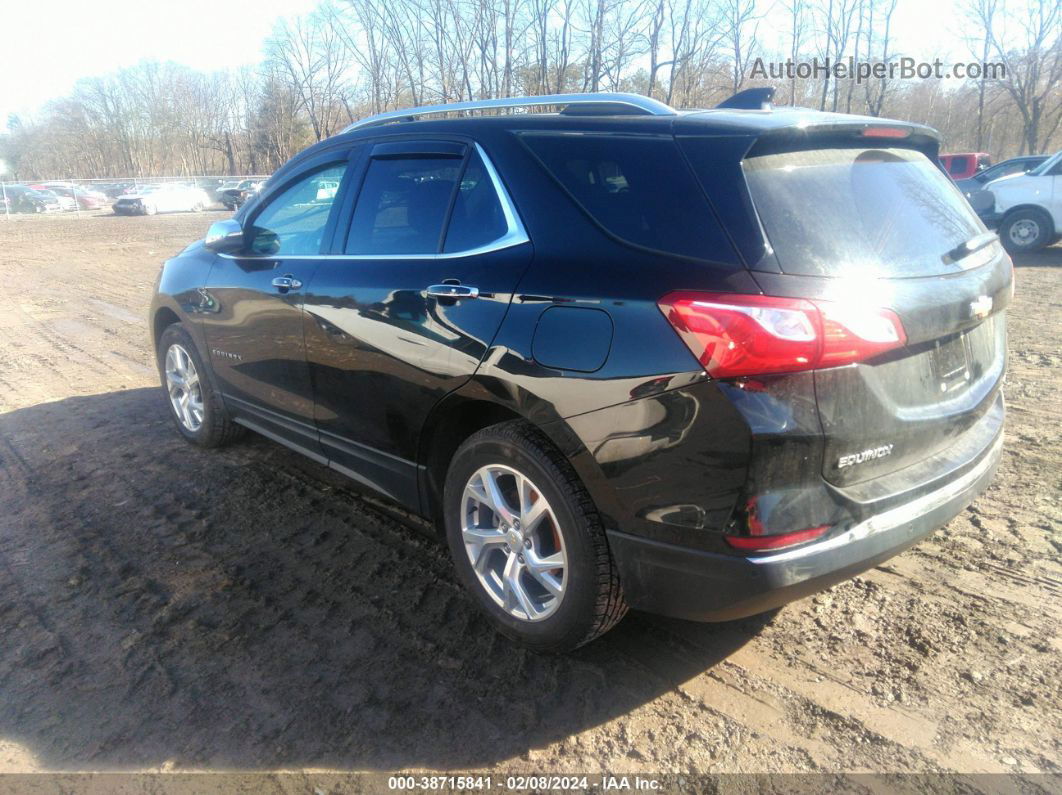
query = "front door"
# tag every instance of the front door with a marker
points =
(405, 314)
(255, 332)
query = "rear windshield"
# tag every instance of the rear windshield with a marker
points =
(859, 212)
(638, 188)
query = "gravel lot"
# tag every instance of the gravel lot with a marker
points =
(163, 607)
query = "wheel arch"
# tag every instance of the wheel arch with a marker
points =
(163, 318)
(1028, 206)
(468, 410)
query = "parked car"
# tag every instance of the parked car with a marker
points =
(973, 188)
(210, 186)
(66, 203)
(162, 199)
(21, 199)
(1029, 206)
(76, 197)
(965, 165)
(234, 197)
(699, 363)
(119, 189)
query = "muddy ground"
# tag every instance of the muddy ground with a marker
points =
(167, 607)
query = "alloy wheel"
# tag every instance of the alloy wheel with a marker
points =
(514, 542)
(185, 391)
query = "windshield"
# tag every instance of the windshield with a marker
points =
(859, 212)
(1044, 167)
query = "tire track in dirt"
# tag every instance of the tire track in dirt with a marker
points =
(245, 608)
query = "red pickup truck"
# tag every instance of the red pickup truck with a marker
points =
(965, 165)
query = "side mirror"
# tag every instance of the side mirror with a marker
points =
(224, 237)
(263, 242)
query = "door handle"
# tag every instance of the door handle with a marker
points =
(287, 282)
(453, 291)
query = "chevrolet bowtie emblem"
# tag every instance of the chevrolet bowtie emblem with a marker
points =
(981, 307)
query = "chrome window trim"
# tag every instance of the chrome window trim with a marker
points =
(515, 234)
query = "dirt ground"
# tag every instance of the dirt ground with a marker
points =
(163, 607)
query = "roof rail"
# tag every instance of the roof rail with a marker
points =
(592, 104)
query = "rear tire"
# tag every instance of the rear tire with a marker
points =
(196, 409)
(543, 573)
(1026, 230)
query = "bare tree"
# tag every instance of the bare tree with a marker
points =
(878, 48)
(740, 28)
(1027, 40)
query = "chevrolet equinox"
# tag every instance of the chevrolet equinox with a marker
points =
(698, 363)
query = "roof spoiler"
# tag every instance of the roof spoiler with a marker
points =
(749, 99)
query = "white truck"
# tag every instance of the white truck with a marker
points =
(1028, 207)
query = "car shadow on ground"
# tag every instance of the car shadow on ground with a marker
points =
(1052, 255)
(244, 609)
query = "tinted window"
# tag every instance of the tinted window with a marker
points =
(637, 188)
(402, 206)
(856, 212)
(957, 164)
(478, 218)
(294, 221)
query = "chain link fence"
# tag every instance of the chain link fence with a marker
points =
(92, 196)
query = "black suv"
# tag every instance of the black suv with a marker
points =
(700, 363)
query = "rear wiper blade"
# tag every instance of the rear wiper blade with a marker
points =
(969, 247)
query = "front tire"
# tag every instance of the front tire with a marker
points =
(527, 540)
(196, 409)
(1026, 230)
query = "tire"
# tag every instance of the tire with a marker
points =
(207, 422)
(1026, 230)
(568, 532)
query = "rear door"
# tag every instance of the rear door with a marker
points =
(254, 328)
(868, 227)
(403, 312)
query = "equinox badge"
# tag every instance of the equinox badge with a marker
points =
(865, 455)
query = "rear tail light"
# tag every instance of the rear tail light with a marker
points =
(764, 543)
(737, 335)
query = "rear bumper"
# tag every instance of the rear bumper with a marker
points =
(704, 586)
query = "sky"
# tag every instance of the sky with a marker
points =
(49, 44)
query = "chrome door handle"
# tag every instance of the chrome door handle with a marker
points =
(453, 291)
(288, 282)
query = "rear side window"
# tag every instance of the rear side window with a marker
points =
(957, 164)
(402, 205)
(859, 212)
(638, 188)
(478, 218)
